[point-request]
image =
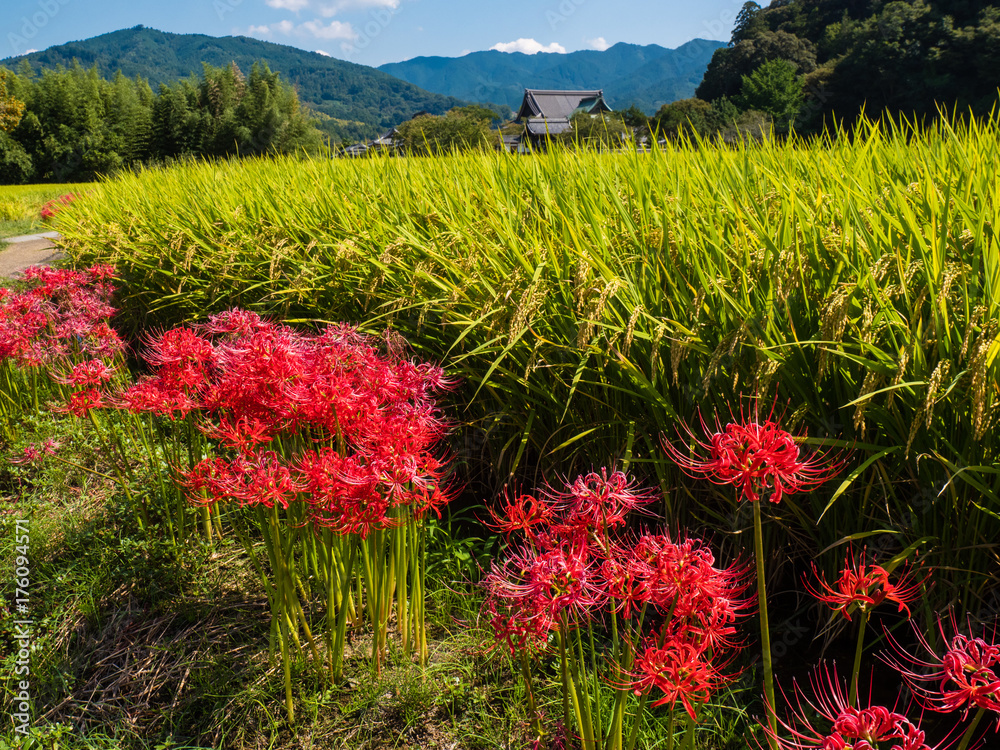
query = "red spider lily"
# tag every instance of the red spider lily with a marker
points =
(681, 670)
(515, 623)
(864, 587)
(343, 492)
(680, 578)
(967, 674)
(830, 722)
(54, 206)
(181, 358)
(250, 381)
(523, 513)
(242, 434)
(596, 502)
(757, 457)
(81, 402)
(34, 452)
(556, 581)
(93, 372)
(63, 312)
(250, 479)
(626, 591)
(151, 395)
(237, 323)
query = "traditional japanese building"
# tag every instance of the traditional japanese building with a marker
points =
(547, 113)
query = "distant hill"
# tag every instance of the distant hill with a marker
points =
(647, 76)
(358, 101)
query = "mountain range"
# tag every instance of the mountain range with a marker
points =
(354, 101)
(357, 101)
(648, 76)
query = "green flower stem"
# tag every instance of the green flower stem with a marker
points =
(637, 723)
(967, 737)
(765, 635)
(89, 471)
(564, 670)
(853, 695)
(536, 723)
(689, 734)
(345, 598)
(584, 700)
(139, 508)
(596, 677)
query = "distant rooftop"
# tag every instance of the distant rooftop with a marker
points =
(560, 105)
(552, 126)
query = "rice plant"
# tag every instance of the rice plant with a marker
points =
(592, 301)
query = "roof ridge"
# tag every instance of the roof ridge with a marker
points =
(564, 91)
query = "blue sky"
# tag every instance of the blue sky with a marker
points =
(373, 32)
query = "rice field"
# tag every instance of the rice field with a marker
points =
(590, 301)
(634, 311)
(21, 205)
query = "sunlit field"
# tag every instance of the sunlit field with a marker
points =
(577, 449)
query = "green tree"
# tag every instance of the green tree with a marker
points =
(683, 116)
(11, 109)
(605, 130)
(457, 130)
(724, 75)
(748, 23)
(16, 167)
(477, 112)
(775, 89)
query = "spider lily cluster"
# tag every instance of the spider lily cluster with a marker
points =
(321, 442)
(631, 613)
(327, 445)
(55, 331)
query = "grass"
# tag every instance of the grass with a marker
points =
(20, 206)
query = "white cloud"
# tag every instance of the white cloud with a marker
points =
(321, 52)
(29, 51)
(332, 30)
(600, 43)
(293, 5)
(328, 9)
(529, 47)
(315, 29)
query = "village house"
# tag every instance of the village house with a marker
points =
(546, 113)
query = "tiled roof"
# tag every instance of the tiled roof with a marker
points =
(559, 104)
(540, 126)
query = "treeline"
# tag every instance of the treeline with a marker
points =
(76, 125)
(807, 64)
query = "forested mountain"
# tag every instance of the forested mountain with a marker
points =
(354, 101)
(904, 56)
(647, 76)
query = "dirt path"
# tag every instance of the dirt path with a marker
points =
(27, 250)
